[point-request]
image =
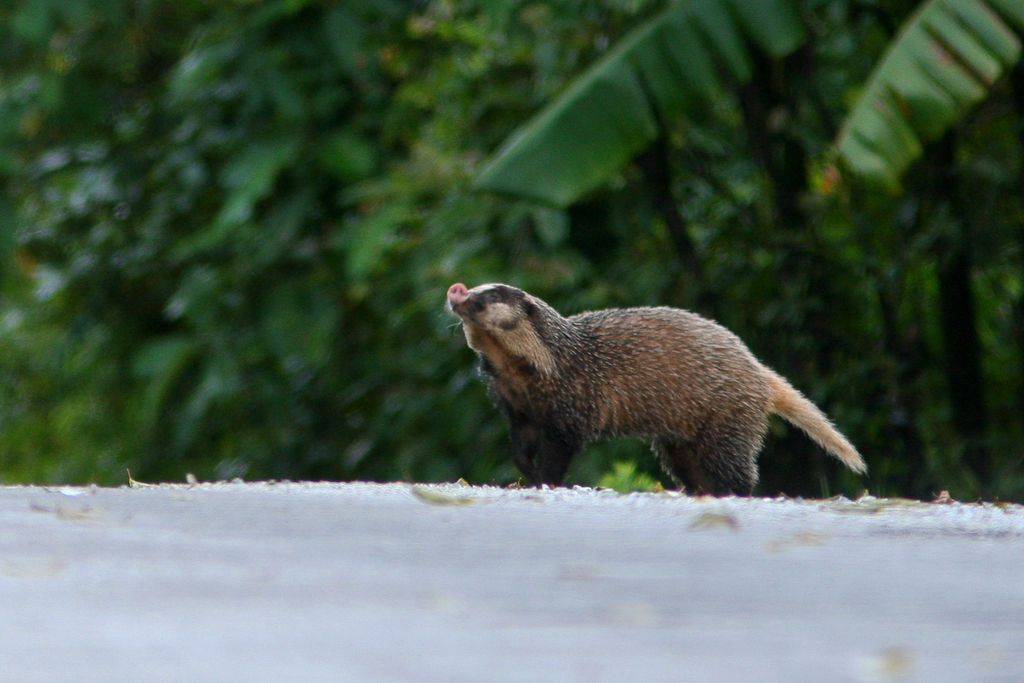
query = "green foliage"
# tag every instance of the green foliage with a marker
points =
(945, 60)
(236, 224)
(671, 63)
(625, 478)
(229, 228)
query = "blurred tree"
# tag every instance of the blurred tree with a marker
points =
(674, 61)
(946, 58)
(235, 223)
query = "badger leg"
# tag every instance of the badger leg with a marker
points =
(721, 460)
(541, 455)
(553, 459)
(524, 437)
(677, 458)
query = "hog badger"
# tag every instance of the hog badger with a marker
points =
(683, 382)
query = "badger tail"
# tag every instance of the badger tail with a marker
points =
(796, 409)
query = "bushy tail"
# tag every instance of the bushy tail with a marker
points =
(794, 407)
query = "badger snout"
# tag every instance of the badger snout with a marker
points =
(457, 295)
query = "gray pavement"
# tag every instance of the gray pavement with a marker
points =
(367, 582)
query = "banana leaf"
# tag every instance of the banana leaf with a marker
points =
(680, 58)
(943, 62)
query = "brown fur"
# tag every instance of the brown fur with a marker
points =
(663, 374)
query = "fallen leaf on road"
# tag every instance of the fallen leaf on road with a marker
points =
(714, 520)
(435, 498)
(888, 665)
(71, 513)
(133, 484)
(31, 568)
(869, 505)
(803, 538)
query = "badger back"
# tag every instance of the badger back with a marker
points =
(664, 371)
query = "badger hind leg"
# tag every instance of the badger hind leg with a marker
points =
(680, 461)
(721, 460)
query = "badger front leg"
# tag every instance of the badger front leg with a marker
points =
(542, 455)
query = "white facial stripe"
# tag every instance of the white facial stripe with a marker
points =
(522, 342)
(480, 289)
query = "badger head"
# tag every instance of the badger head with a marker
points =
(501, 323)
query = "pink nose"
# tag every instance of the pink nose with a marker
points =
(457, 293)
